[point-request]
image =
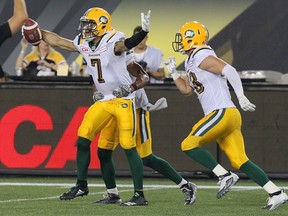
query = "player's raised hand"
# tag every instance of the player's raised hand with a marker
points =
(145, 21)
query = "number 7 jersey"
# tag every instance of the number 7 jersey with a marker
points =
(108, 70)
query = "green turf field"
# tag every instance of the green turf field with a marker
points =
(39, 196)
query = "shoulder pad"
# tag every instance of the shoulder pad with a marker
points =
(200, 48)
(110, 35)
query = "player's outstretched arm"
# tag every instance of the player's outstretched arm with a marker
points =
(135, 39)
(19, 16)
(55, 40)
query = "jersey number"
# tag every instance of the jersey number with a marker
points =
(196, 85)
(97, 63)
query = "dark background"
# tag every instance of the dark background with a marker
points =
(265, 130)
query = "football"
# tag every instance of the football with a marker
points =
(31, 32)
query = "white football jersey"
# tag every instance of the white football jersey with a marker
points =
(212, 89)
(154, 59)
(141, 99)
(107, 70)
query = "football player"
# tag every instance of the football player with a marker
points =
(206, 76)
(151, 58)
(109, 139)
(104, 51)
(9, 28)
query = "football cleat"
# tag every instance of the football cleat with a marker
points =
(189, 191)
(109, 198)
(275, 200)
(136, 200)
(75, 191)
(226, 182)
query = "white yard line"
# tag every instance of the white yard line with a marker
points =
(48, 198)
(65, 185)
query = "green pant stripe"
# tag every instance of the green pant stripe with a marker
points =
(210, 123)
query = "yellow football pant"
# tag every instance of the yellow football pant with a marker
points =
(224, 127)
(101, 113)
(109, 137)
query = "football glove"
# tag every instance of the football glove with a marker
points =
(123, 91)
(170, 64)
(245, 104)
(145, 21)
(97, 96)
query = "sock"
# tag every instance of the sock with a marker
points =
(255, 173)
(163, 167)
(107, 167)
(203, 157)
(136, 168)
(83, 157)
(113, 191)
(271, 188)
(219, 170)
(182, 183)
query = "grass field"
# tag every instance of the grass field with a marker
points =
(39, 196)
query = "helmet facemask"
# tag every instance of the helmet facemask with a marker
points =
(88, 29)
(182, 44)
(177, 45)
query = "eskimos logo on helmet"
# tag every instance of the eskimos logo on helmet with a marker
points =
(103, 20)
(189, 34)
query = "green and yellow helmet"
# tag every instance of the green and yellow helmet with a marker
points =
(191, 35)
(94, 23)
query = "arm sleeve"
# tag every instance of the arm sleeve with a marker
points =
(135, 39)
(233, 77)
(5, 32)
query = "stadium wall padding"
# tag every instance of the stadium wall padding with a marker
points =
(39, 122)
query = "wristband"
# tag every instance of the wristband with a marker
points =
(175, 75)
